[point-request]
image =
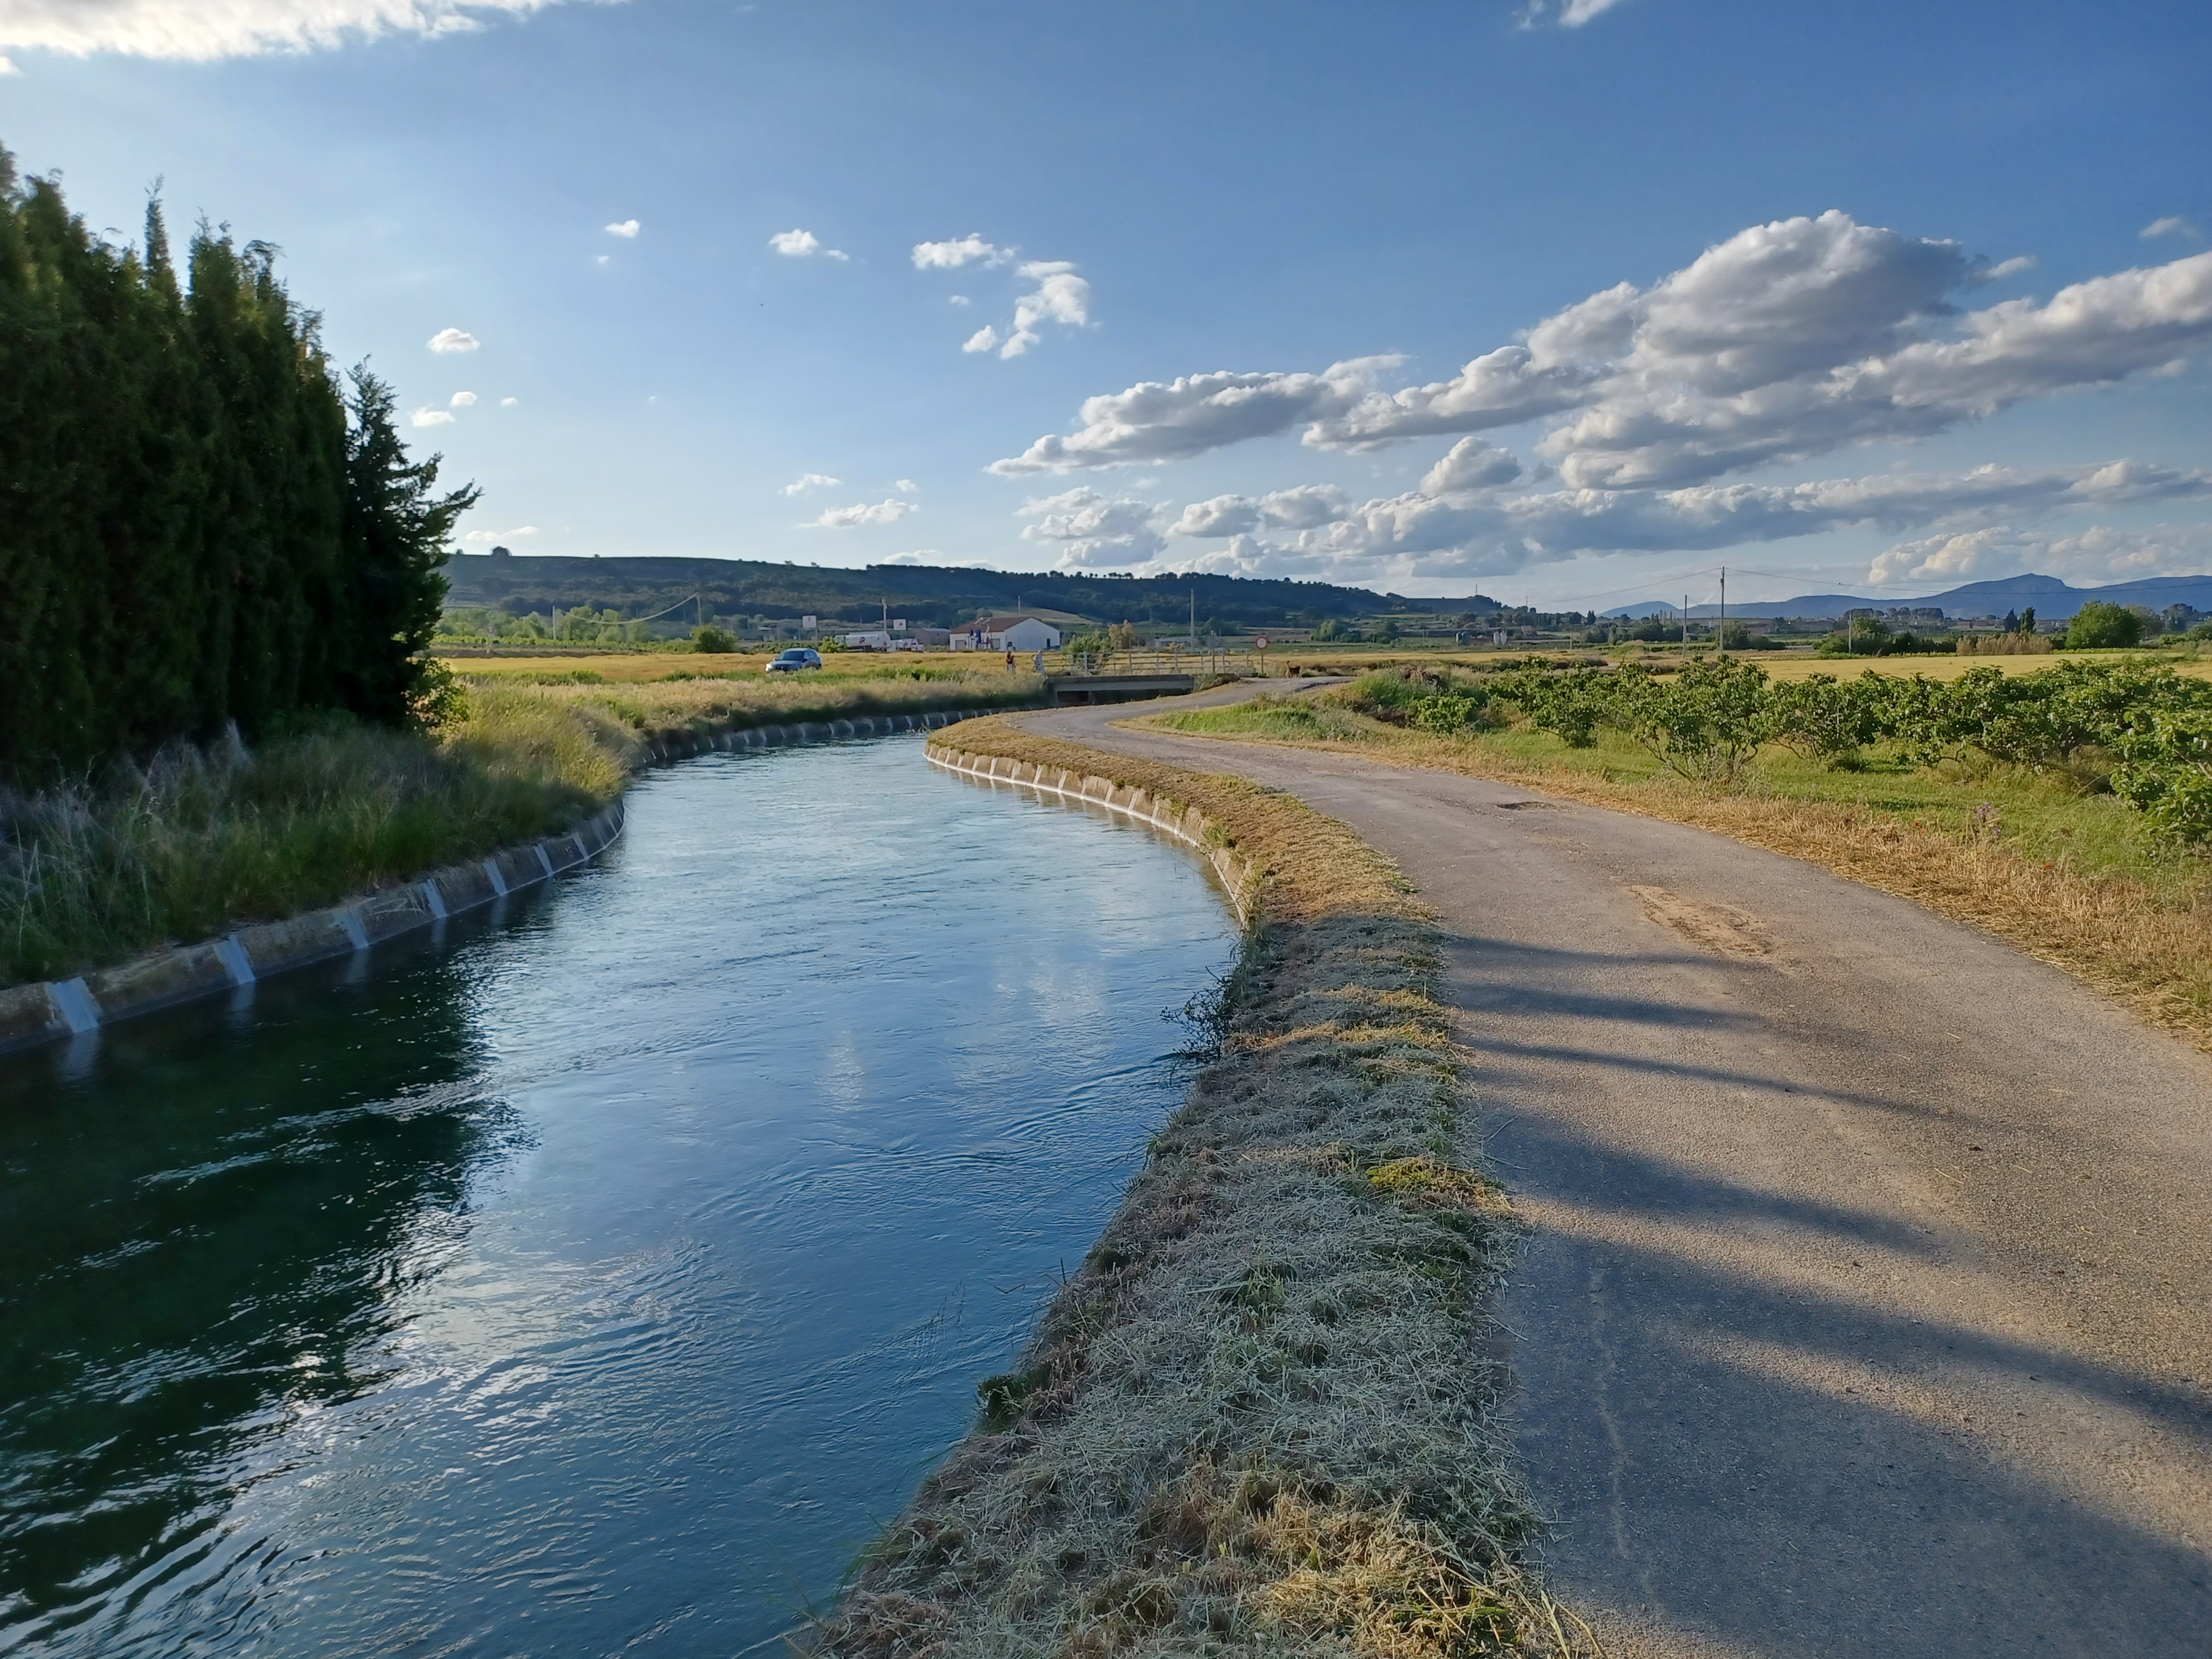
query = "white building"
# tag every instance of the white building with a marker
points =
(1010, 633)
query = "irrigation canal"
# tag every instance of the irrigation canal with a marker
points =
(595, 1278)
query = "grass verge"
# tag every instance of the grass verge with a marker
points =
(1258, 1419)
(2071, 878)
(199, 841)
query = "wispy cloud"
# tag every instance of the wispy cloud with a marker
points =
(806, 481)
(1566, 14)
(235, 28)
(2170, 227)
(449, 340)
(803, 245)
(625, 229)
(486, 536)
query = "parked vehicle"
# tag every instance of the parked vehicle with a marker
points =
(792, 661)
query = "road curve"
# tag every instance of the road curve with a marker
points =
(1866, 1304)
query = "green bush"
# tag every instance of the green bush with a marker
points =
(2097, 626)
(1388, 697)
(710, 639)
(1826, 720)
(1703, 723)
(2166, 772)
(1571, 706)
(1447, 715)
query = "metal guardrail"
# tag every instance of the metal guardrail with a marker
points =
(1087, 664)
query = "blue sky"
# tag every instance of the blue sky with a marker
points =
(1571, 307)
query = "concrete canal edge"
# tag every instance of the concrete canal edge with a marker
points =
(1240, 877)
(56, 1010)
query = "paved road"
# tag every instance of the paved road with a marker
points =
(1866, 1306)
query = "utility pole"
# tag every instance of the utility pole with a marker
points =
(1685, 622)
(1194, 619)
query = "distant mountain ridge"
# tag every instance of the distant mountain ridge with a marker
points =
(929, 595)
(2050, 597)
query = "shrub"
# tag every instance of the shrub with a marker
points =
(1447, 715)
(717, 640)
(1827, 720)
(1571, 706)
(1703, 723)
(2166, 772)
(2097, 626)
(1390, 698)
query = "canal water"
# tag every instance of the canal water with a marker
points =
(595, 1278)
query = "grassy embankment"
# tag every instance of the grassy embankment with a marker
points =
(198, 841)
(2068, 873)
(1258, 1420)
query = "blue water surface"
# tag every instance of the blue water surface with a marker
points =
(595, 1278)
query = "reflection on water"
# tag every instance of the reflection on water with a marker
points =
(592, 1279)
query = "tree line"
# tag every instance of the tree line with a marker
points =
(200, 522)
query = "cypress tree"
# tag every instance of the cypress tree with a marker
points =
(191, 529)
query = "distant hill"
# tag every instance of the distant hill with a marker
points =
(2050, 597)
(926, 595)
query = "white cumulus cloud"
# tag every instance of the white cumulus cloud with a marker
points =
(905, 486)
(1478, 532)
(508, 403)
(1173, 420)
(625, 229)
(970, 249)
(847, 518)
(431, 417)
(1060, 296)
(201, 31)
(1093, 530)
(1787, 341)
(803, 245)
(1471, 464)
(806, 481)
(2097, 553)
(447, 341)
(462, 400)
(985, 339)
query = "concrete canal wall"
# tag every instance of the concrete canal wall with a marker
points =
(1239, 876)
(56, 1010)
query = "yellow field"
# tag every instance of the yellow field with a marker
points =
(629, 668)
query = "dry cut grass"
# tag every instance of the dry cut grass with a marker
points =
(1259, 1420)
